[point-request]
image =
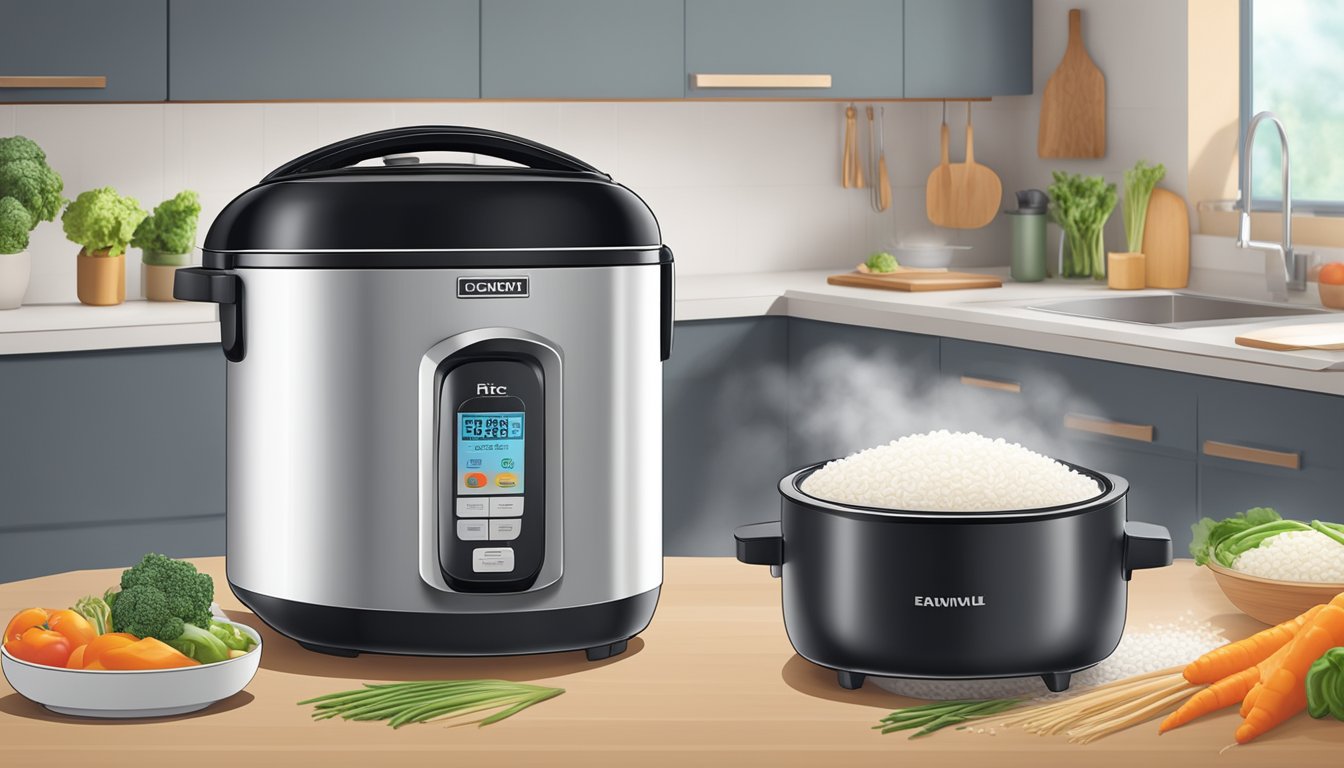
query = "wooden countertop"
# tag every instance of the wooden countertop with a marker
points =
(713, 681)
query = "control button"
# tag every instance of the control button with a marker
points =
(478, 506)
(505, 530)
(506, 506)
(492, 560)
(472, 530)
(475, 480)
(506, 463)
(506, 480)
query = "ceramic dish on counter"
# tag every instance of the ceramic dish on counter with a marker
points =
(1271, 600)
(132, 693)
(927, 256)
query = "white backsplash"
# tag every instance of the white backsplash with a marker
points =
(736, 186)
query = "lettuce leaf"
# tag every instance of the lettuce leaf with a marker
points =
(1209, 532)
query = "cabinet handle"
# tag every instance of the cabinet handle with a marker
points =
(996, 384)
(1142, 433)
(53, 81)
(1285, 459)
(760, 81)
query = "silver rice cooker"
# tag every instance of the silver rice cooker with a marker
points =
(444, 397)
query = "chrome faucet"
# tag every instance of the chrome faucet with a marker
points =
(1292, 274)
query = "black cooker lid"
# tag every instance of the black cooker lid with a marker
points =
(322, 211)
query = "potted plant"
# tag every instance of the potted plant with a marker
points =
(1081, 205)
(30, 192)
(165, 239)
(1128, 270)
(102, 222)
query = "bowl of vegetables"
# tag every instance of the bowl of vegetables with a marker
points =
(150, 648)
(1271, 568)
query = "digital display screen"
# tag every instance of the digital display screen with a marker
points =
(490, 453)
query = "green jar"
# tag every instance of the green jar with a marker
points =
(1028, 262)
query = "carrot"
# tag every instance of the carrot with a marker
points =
(1232, 658)
(1284, 692)
(1223, 693)
(1266, 668)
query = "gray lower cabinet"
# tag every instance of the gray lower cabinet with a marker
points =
(253, 50)
(856, 42)
(123, 42)
(725, 431)
(967, 48)
(582, 49)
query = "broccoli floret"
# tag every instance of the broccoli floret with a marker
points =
(15, 224)
(881, 262)
(170, 231)
(143, 611)
(20, 148)
(188, 592)
(34, 184)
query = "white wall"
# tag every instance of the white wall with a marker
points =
(738, 187)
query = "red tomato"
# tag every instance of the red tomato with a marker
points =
(1332, 273)
(23, 621)
(41, 646)
(73, 625)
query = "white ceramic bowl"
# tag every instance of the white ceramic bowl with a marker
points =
(132, 693)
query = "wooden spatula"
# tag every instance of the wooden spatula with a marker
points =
(968, 195)
(1073, 107)
(938, 189)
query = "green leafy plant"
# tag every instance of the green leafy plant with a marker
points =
(1139, 183)
(100, 220)
(28, 186)
(881, 261)
(1080, 205)
(167, 235)
(1325, 685)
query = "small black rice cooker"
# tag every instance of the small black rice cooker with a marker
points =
(954, 595)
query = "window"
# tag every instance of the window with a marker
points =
(1293, 65)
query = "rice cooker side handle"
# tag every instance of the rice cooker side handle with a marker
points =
(761, 544)
(217, 287)
(1146, 546)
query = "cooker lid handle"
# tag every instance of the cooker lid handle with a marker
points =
(431, 138)
(760, 544)
(1146, 546)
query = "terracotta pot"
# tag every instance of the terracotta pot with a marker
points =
(156, 281)
(14, 271)
(101, 279)
(1125, 271)
(1332, 295)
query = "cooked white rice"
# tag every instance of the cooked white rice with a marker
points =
(949, 472)
(1295, 556)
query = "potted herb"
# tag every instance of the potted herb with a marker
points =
(30, 193)
(102, 222)
(165, 239)
(1081, 205)
(1128, 270)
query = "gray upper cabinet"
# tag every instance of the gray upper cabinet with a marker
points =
(856, 43)
(582, 49)
(253, 50)
(101, 51)
(967, 48)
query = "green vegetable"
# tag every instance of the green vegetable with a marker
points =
(200, 644)
(1325, 685)
(102, 220)
(1139, 183)
(96, 610)
(231, 636)
(932, 717)
(1229, 548)
(15, 224)
(27, 185)
(159, 595)
(1208, 533)
(881, 262)
(167, 235)
(1333, 530)
(405, 703)
(1081, 205)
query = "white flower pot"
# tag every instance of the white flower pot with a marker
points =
(14, 271)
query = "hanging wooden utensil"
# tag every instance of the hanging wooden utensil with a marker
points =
(847, 159)
(883, 178)
(972, 193)
(872, 159)
(1073, 107)
(938, 189)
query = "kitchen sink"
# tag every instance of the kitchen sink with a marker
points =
(1173, 310)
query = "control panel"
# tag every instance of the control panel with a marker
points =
(491, 490)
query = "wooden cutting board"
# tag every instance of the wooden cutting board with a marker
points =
(1166, 241)
(916, 280)
(1286, 338)
(963, 195)
(1073, 107)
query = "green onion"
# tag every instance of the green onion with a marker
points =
(932, 717)
(419, 702)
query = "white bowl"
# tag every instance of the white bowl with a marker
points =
(919, 256)
(132, 693)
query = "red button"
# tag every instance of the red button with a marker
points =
(475, 480)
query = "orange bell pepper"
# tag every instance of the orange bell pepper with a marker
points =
(40, 646)
(148, 653)
(93, 652)
(25, 620)
(73, 625)
(76, 660)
